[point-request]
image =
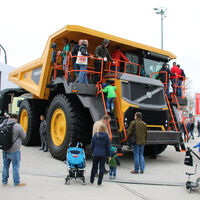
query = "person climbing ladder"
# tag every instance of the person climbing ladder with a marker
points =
(110, 90)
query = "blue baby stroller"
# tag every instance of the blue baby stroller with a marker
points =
(76, 164)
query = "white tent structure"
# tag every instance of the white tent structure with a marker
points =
(4, 73)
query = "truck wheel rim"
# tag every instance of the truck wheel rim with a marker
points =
(24, 119)
(58, 127)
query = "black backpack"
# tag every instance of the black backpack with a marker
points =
(6, 136)
(132, 136)
(182, 74)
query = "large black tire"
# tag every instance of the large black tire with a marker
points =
(150, 150)
(29, 117)
(67, 122)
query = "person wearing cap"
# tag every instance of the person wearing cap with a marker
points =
(113, 163)
(5, 119)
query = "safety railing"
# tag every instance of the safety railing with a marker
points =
(105, 71)
(101, 91)
(171, 113)
(181, 87)
(182, 118)
(166, 78)
(116, 65)
(176, 85)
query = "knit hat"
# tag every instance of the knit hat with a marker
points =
(113, 149)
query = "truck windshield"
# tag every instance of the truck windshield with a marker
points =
(151, 66)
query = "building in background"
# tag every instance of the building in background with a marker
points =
(4, 73)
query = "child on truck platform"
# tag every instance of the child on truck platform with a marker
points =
(110, 90)
(113, 163)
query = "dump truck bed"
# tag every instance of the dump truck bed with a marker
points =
(35, 75)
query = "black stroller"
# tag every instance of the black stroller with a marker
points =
(189, 161)
(76, 164)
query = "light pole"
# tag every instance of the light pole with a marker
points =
(4, 53)
(161, 11)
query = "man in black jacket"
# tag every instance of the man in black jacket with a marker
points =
(164, 77)
(101, 52)
(43, 137)
(74, 52)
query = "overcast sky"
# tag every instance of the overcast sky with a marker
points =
(25, 26)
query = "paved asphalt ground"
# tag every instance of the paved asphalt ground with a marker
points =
(164, 179)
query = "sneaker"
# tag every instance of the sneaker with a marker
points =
(114, 177)
(41, 149)
(134, 172)
(21, 184)
(110, 177)
(141, 172)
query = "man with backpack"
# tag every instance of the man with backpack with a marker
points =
(11, 149)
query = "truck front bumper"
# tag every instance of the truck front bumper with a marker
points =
(164, 137)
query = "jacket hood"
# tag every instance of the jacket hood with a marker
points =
(101, 135)
(105, 41)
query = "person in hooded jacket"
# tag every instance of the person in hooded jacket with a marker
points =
(113, 163)
(83, 61)
(100, 148)
(101, 52)
(164, 76)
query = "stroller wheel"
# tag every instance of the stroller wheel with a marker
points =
(189, 190)
(84, 183)
(67, 181)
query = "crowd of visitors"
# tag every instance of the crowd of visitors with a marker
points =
(176, 75)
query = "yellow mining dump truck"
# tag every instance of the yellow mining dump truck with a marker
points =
(71, 107)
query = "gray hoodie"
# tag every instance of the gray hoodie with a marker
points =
(18, 135)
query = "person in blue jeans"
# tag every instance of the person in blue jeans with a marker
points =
(191, 129)
(13, 155)
(138, 130)
(83, 61)
(110, 90)
(113, 163)
(198, 128)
